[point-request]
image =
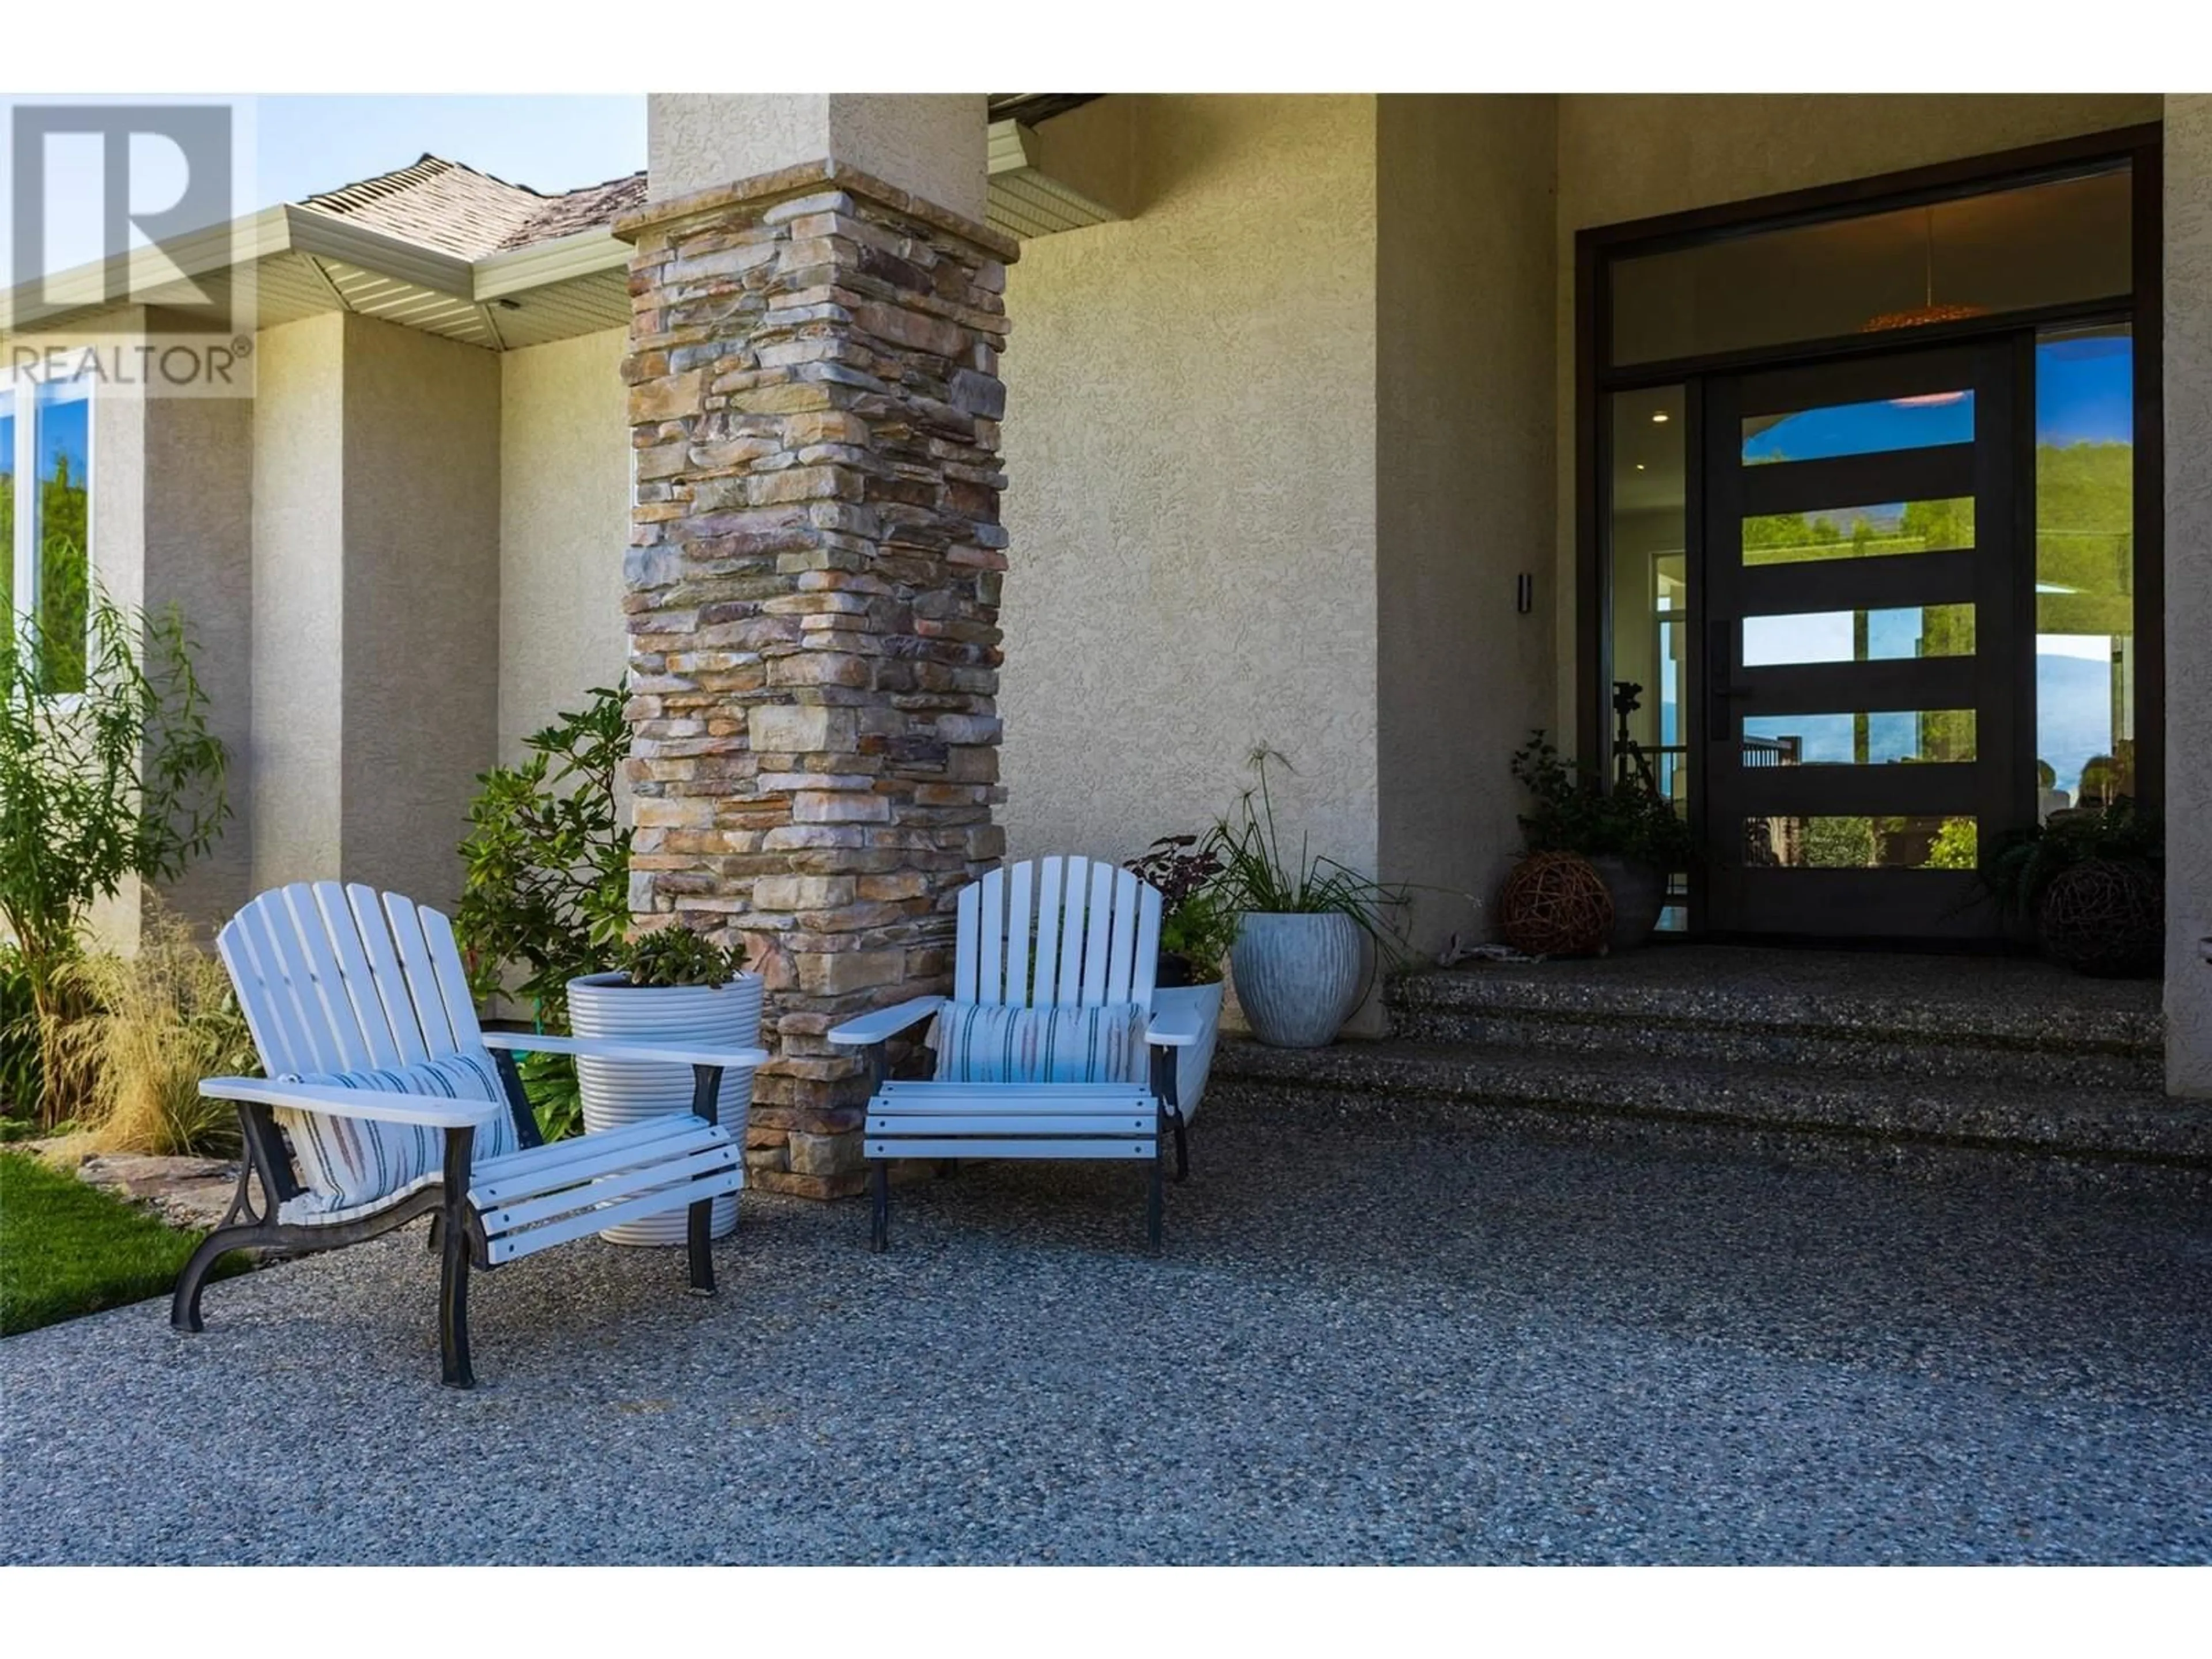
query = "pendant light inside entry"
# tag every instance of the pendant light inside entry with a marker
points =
(1928, 311)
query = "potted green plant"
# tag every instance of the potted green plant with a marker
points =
(670, 986)
(1305, 928)
(1631, 834)
(1197, 930)
(544, 919)
(2091, 881)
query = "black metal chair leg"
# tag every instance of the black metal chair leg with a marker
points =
(1182, 1149)
(453, 1310)
(437, 1232)
(453, 1253)
(879, 1210)
(701, 1247)
(184, 1300)
(1153, 1200)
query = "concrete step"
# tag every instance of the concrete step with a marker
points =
(2023, 1024)
(1467, 1082)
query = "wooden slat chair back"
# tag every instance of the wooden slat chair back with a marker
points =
(1069, 933)
(359, 1010)
(345, 979)
(1054, 933)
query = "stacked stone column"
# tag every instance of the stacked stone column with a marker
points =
(812, 597)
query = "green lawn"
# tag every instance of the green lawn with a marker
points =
(67, 1248)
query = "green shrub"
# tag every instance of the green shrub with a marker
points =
(20, 1071)
(545, 886)
(1569, 812)
(122, 778)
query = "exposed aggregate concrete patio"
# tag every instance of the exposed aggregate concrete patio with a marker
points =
(1489, 1345)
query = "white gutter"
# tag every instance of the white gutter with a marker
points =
(586, 253)
(288, 228)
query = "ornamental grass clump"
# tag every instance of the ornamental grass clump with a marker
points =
(151, 1026)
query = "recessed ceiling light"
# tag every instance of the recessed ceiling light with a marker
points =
(1639, 466)
(1659, 417)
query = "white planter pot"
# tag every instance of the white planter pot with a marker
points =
(1192, 1064)
(619, 1092)
(1299, 976)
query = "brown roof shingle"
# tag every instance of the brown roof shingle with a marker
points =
(441, 205)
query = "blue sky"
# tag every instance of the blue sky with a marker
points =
(549, 143)
(295, 146)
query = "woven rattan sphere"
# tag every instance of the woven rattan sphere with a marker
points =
(1555, 904)
(2105, 919)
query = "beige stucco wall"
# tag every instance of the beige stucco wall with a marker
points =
(931, 143)
(1464, 465)
(1191, 498)
(422, 602)
(2188, 589)
(1629, 156)
(118, 531)
(198, 557)
(564, 522)
(298, 564)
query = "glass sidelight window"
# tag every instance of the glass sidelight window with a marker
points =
(1647, 537)
(2085, 622)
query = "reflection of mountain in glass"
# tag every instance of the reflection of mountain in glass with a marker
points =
(2074, 714)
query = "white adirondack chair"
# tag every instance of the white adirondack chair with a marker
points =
(349, 982)
(1065, 933)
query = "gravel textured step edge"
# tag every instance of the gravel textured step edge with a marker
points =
(1971, 1010)
(2098, 1124)
(1358, 1116)
(1719, 1041)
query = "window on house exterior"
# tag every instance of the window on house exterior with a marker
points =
(46, 522)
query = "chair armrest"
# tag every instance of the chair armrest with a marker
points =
(882, 1022)
(1179, 1028)
(434, 1110)
(660, 1053)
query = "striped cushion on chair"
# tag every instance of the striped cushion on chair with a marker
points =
(986, 1042)
(348, 1162)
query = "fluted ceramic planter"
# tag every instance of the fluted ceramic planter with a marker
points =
(1299, 976)
(1192, 1064)
(619, 1092)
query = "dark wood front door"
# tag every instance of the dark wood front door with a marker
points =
(1868, 663)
